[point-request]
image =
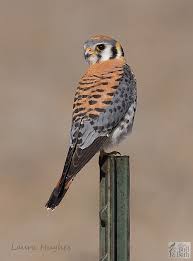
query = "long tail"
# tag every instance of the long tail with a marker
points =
(58, 193)
(63, 184)
(75, 161)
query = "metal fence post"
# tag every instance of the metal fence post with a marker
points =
(114, 208)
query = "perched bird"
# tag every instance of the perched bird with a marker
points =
(103, 111)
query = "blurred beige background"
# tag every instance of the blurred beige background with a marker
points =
(41, 61)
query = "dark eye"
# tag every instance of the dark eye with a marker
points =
(100, 47)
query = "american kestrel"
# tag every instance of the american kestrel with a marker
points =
(103, 111)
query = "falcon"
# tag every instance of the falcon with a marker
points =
(103, 111)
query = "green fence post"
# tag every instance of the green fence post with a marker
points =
(114, 208)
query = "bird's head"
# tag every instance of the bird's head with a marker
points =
(101, 48)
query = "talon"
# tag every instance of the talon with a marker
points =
(114, 153)
(103, 153)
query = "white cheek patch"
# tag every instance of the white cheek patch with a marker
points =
(93, 59)
(106, 54)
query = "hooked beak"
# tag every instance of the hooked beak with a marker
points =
(89, 51)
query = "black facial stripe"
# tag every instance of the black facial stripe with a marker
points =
(114, 52)
(99, 57)
(122, 52)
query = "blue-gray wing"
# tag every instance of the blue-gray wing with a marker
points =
(89, 134)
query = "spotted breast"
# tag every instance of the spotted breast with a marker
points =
(97, 87)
